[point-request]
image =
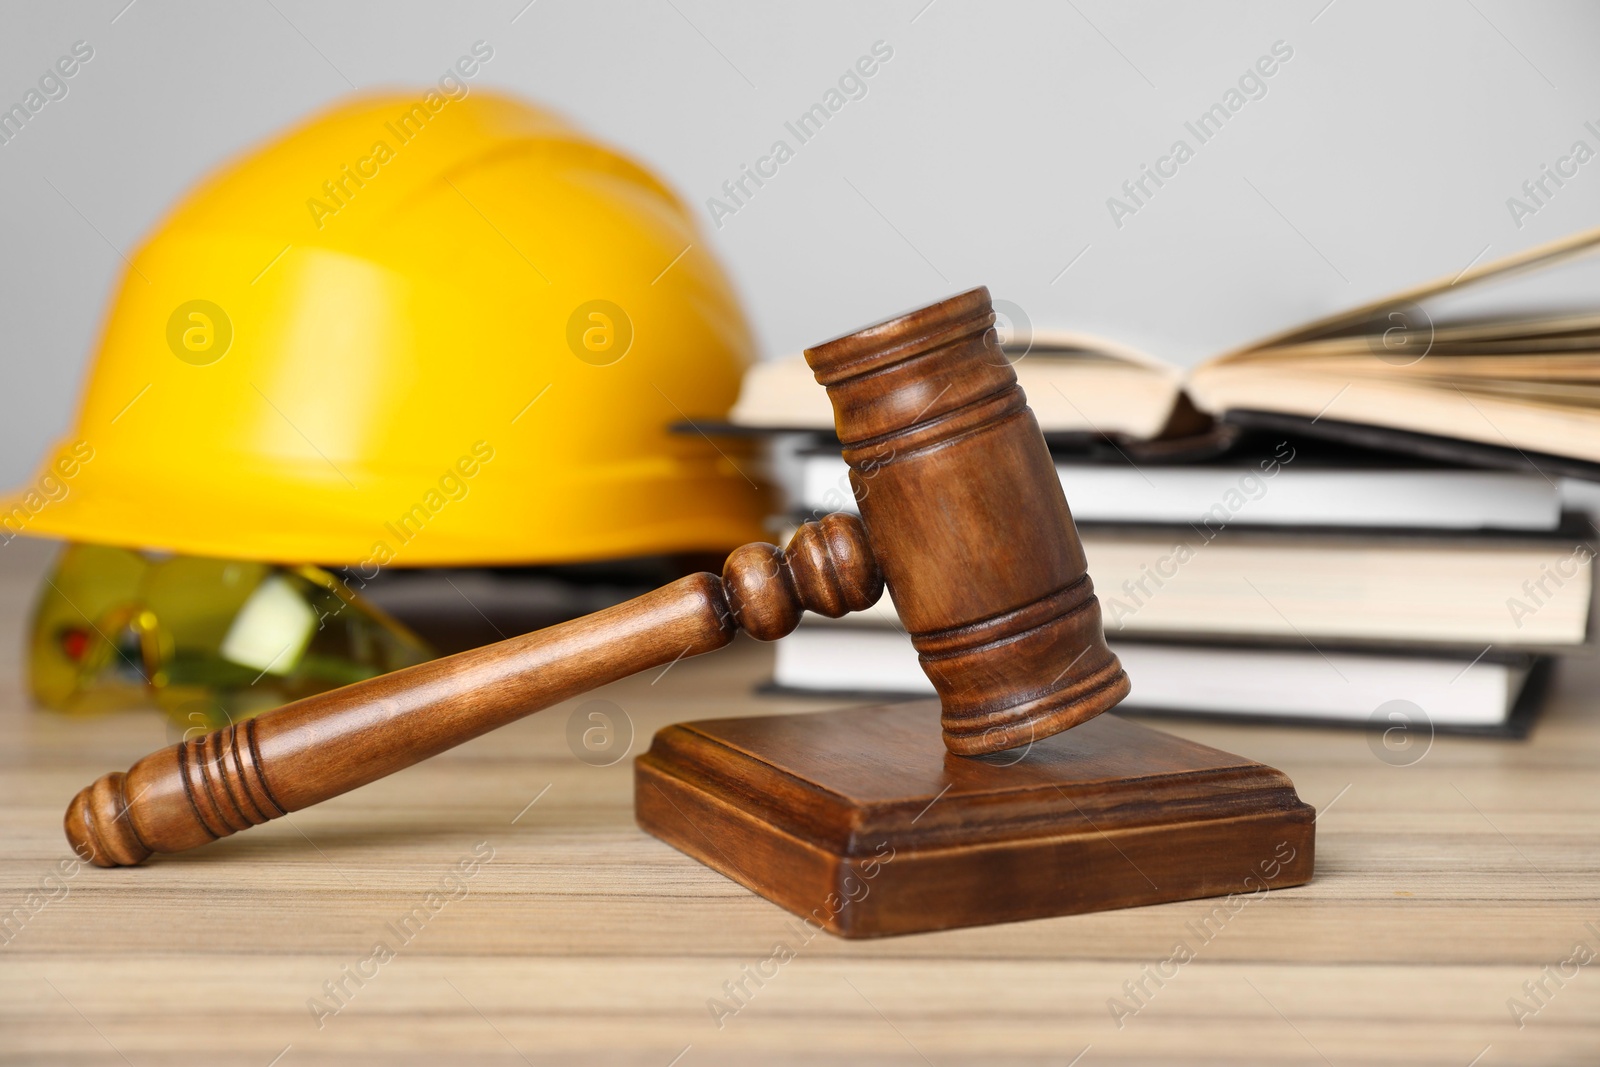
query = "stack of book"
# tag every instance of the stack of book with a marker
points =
(1362, 515)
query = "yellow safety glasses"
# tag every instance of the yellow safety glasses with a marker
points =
(211, 641)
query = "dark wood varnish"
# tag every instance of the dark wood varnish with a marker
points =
(862, 822)
(966, 514)
(313, 749)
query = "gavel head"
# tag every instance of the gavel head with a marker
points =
(967, 519)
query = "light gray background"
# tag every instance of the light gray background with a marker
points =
(984, 152)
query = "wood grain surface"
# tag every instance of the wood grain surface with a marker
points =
(1441, 888)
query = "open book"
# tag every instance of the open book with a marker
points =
(1410, 373)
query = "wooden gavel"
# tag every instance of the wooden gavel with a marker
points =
(963, 518)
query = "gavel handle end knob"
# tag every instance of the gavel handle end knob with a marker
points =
(98, 827)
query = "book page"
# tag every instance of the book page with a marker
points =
(1421, 306)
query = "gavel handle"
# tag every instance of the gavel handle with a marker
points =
(313, 749)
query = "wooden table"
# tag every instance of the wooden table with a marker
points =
(1441, 889)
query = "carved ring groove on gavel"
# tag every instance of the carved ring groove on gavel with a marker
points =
(963, 517)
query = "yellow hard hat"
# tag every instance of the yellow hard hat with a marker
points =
(414, 331)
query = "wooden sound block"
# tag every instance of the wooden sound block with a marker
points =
(861, 822)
